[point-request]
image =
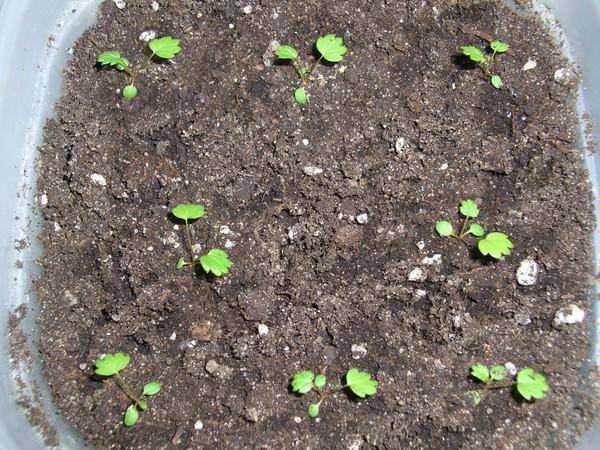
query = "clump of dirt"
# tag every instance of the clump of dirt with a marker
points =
(402, 130)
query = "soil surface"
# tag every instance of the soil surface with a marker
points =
(401, 130)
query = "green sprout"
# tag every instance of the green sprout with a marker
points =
(529, 383)
(216, 261)
(360, 384)
(495, 244)
(486, 61)
(111, 365)
(165, 48)
(331, 49)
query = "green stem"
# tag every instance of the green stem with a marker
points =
(125, 388)
(506, 384)
(462, 233)
(306, 79)
(188, 240)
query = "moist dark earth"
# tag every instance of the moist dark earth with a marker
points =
(402, 130)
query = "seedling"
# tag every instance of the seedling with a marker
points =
(529, 383)
(358, 382)
(165, 48)
(331, 49)
(110, 366)
(216, 261)
(486, 60)
(495, 244)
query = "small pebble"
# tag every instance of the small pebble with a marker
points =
(297, 419)
(263, 330)
(435, 259)
(247, 9)
(527, 273)
(44, 200)
(173, 336)
(421, 245)
(268, 56)
(362, 218)
(231, 26)
(198, 425)
(568, 315)
(224, 229)
(417, 275)
(147, 36)
(312, 171)
(154, 5)
(359, 350)
(511, 368)
(98, 179)
(523, 318)
(399, 145)
(530, 64)
(120, 4)
(305, 141)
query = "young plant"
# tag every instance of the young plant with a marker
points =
(495, 244)
(487, 60)
(331, 48)
(216, 261)
(529, 383)
(165, 48)
(359, 383)
(110, 366)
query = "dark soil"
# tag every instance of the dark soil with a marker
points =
(219, 127)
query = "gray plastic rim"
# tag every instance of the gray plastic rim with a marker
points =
(35, 36)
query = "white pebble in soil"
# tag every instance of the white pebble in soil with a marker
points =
(224, 229)
(98, 179)
(359, 350)
(312, 171)
(268, 56)
(154, 5)
(511, 368)
(362, 218)
(568, 315)
(147, 36)
(417, 275)
(44, 200)
(198, 425)
(247, 9)
(530, 64)
(528, 272)
(421, 245)
(263, 330)
(399, 145)
(120, 4)
(305, 142)
(431, 260)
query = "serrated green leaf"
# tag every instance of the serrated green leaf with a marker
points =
(181, 263)
(498, 373)
(474, 53)
(313, 410)
(286, 52)
(302, 382)
(303, 72)
(531, 384)
(499, 46)
(188, 211)
(444, 228)
(320, 381)
(476, 230)
(216, 261)
(131, 416)
(113, 58)
(495, 244)
(165, 47)
(481, 372)
(151, 388)
(111, 364)
(469, 208)
(300, 96)
(361, 383)
(331, 47)
(496, 81)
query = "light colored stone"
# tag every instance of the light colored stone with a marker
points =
(530, 64)
(224, 229)
(43, 200)
(417, 275)
(147, 36)
(399, 145)
(154, 5)
(362, 218)
(431, 260)
(217, 370)
(120, 4)
(247, 9)
(528, 272)
(359, 350)
(312, 171)
(568, 315)
(523, 318)
(421, 245)
(511, 368)
(98, 179)
(198, 425)
(263, 330)
(268, 56)
(305, 142)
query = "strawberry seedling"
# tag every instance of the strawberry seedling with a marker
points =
(164, 48)
(111, 365)
(495, 244)
(529, 384)
(357, 381)
(487, 60)
(216, 261)
(330, 47)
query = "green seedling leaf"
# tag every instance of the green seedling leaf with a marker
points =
(130, 92)
(469, 208)
(302, 382)
(475, 54)
(444, 228)
(131, 416)
(331, 47)
(499, 46)
(142, 405)
(286, 52)
(361, 383)
(300, 96)
(111, 364)
(216, 261)
(531, 384)
(313, 410)
(188, 211)
(496, 81)
(495, 244)
(475, 397)
(165, 47)
(113, 58)
(151, 388)
(481, 372)
(320, 381)
(303, 72)
(181, 263)
(498, 373)
(476, 230)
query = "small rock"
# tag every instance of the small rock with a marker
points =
(83, 366)
(98, 179)
(568, 315)
(312, 171)
(563, 75)
(419, 294)
(530, 64)
(147, 36)
(70, 298)
(523, 318)
(224, 229)
(438, 364)
(251, 415)
(421, 245)
(297, 419)
(229, 244)
(511, 368)
(444, 166)
(527, 273)
(198, 425)
(417, 275)
(120, 4)
(399, 145)
(359, 350)
(247, 9)
(173, 336)
(263, 330)
(435, 259)
(154, 5)
(304, 141)
(217, 370)
(268, 56)
(362, 218)
(44, 200)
